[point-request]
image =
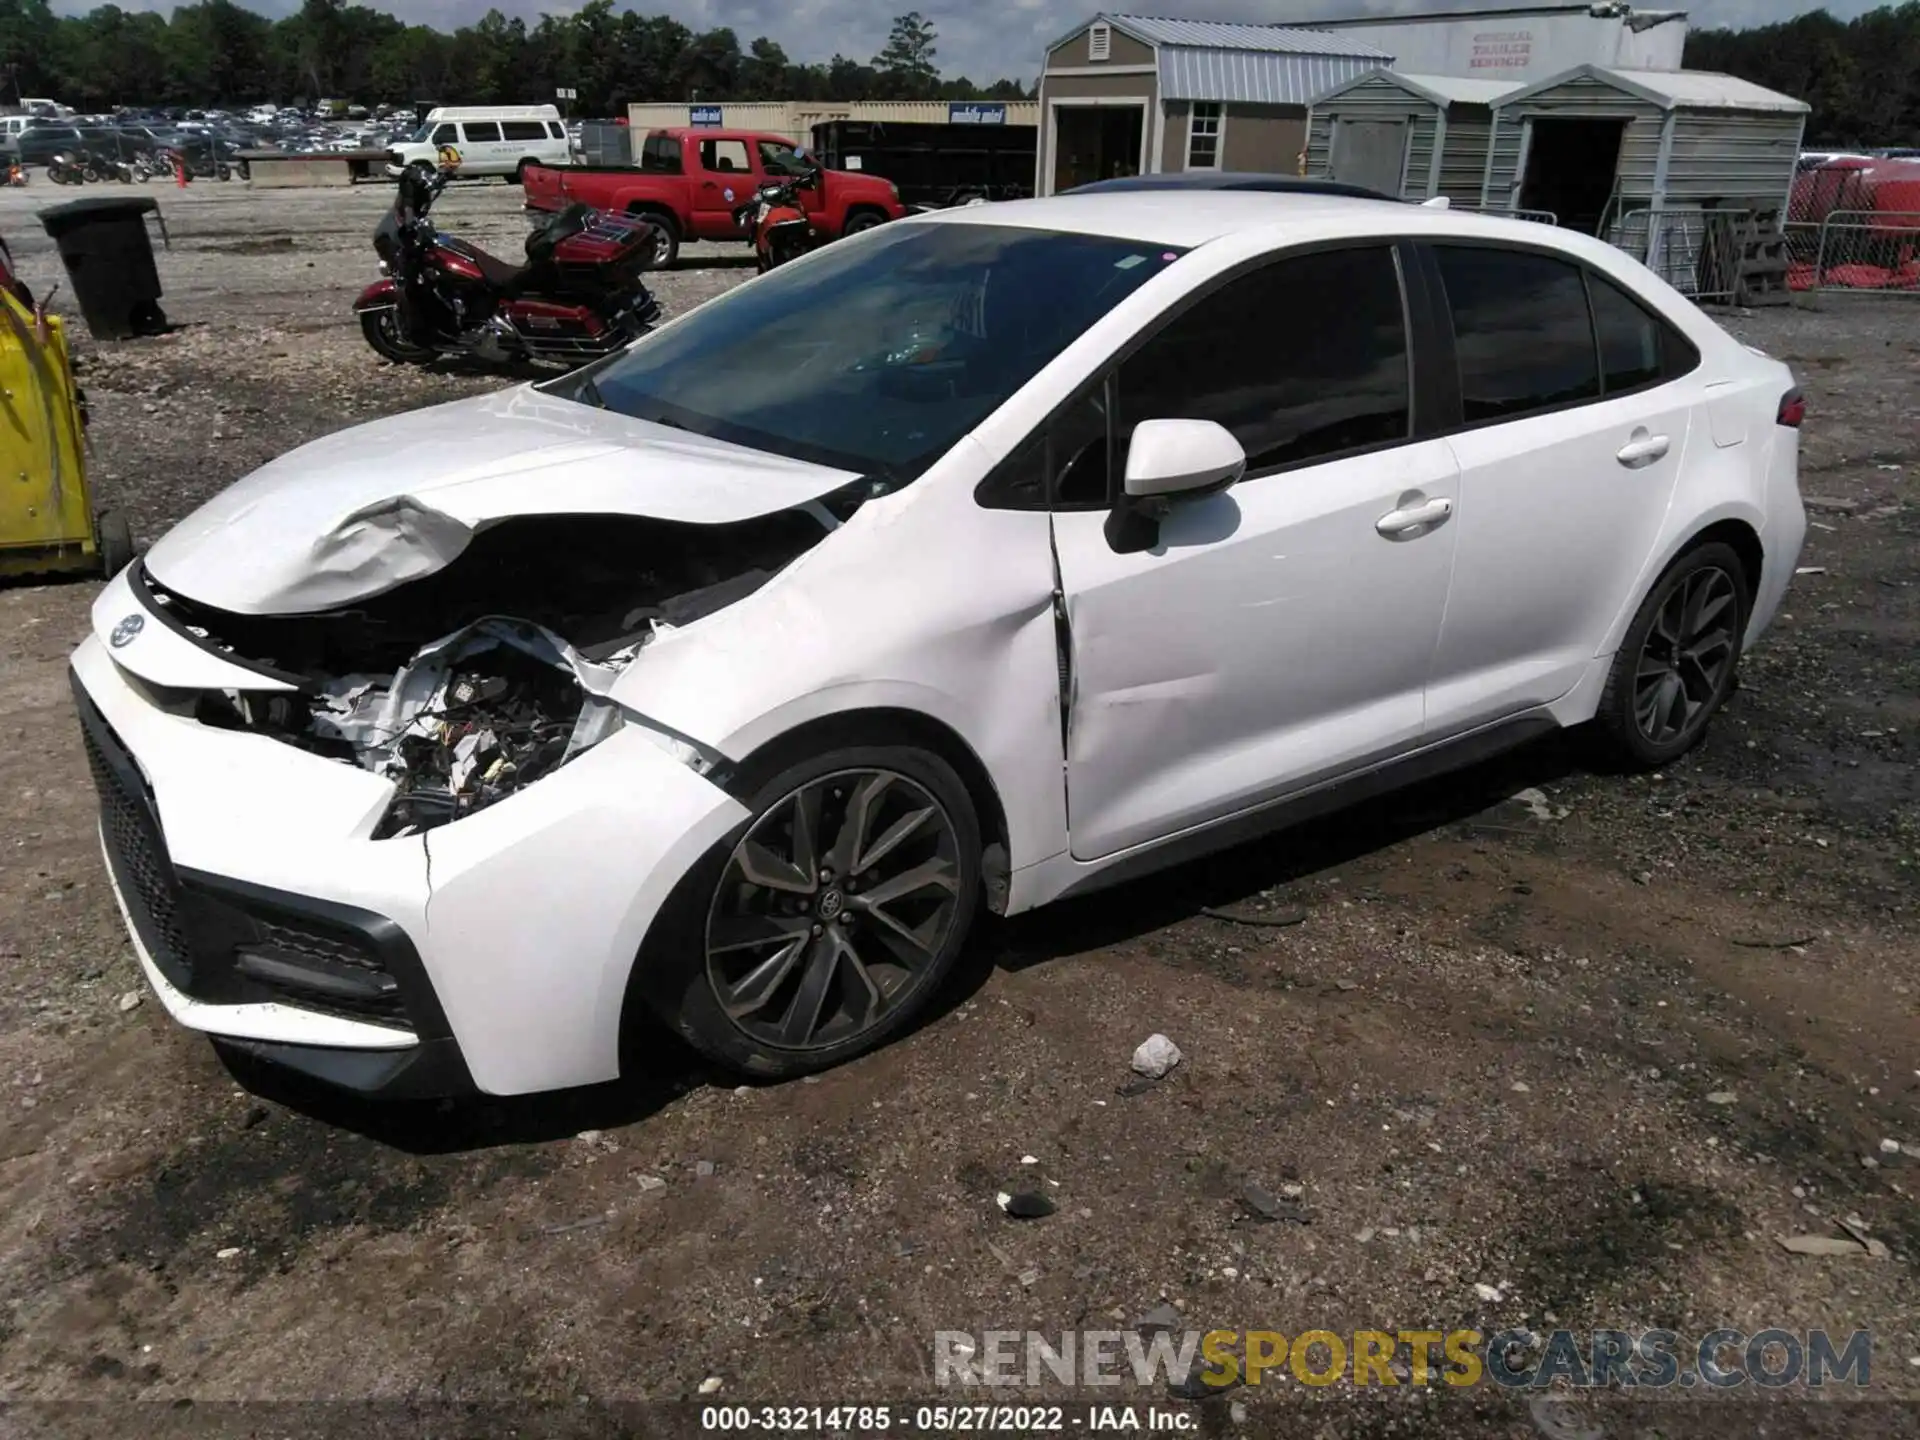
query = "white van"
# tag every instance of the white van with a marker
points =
(491, 139)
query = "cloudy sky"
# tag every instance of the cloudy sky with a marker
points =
(983, 39)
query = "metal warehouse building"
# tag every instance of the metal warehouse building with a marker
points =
(1416, 136)
(1523, 43)
(1127, 94)
(795, 119)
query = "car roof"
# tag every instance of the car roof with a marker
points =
(1192, 218)
(1231, 180)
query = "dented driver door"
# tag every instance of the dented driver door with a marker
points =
(1280, 633)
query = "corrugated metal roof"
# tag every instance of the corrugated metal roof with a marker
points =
(1434, 89)
(1254, 77)
(1708, 90)
(1221, 35)
(1672, 89)
(1466, 92)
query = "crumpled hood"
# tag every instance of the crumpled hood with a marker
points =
(364, 510)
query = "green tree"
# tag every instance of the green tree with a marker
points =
(764, 72)
(905, 67)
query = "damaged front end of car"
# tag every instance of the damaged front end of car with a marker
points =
(468, 684)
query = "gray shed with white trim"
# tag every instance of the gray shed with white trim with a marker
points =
(1416, 136)
(1592, 144)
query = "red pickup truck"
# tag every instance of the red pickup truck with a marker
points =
(689, 182)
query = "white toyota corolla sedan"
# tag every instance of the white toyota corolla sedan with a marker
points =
(984, 559)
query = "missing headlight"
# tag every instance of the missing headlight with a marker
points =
(473, 718)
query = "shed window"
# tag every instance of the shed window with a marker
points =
(1203, 136)
(1100, 42)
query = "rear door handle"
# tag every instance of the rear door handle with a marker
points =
(1643, 449)
(1413, 517)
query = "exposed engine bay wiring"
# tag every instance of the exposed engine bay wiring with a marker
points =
(494, 701)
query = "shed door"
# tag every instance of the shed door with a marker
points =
(1371, 153)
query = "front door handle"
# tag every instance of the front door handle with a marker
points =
(1414, 517)
(1643, 449)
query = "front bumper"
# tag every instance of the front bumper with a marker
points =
(492, 953)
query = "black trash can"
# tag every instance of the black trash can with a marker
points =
(109, 257)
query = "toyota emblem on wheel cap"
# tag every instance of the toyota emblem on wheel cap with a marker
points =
(124, 632)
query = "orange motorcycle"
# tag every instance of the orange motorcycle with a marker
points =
(777, 220)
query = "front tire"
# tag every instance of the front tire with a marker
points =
(863, 220)
(824, 925)
(382, 331)
(114, 539)
(1677, 664)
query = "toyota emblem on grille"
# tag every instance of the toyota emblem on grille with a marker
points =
(124, 632)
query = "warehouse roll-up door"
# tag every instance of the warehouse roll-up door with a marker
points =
(1371, 153)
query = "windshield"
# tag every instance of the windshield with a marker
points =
(875, 355)
(422, 135)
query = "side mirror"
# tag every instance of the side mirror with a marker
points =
(1182, 457)
(1169, 460)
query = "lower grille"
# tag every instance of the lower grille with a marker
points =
(139, 855)
(354, 980)
(198, 937)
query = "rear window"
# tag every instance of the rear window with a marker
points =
(1637, 348)
(523, 130)
(660, 155)
(1521, 331)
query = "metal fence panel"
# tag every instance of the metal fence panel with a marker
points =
(1859, 251)
(1695, 250)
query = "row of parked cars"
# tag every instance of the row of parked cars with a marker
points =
(31, 140)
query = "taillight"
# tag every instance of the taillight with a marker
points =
(1793, 409)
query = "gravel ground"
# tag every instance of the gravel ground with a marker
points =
(1595, 1053)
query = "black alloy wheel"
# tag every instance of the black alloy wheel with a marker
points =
(1687, 656)
(1679, 658)
(832, 909)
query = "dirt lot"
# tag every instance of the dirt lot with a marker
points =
(1597, 1052)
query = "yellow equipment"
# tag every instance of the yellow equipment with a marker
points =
(47, 520)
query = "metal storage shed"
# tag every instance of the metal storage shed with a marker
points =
(1139, 94)
(1416, 136)
(1593, 145)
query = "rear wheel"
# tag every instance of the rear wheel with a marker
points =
(666, 239)
(825, 924)
(1676, 666)
(383, 331)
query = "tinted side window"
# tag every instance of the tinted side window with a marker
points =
(660, 155)
(1064, 465)
(482, 132)
(1637, 348)
(1301, 359)
(556, 130)
(523, 130)
(1520, 331)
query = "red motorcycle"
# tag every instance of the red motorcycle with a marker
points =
(777, 221)
(578, 297)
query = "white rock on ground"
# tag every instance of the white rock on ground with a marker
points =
(1156, 1056)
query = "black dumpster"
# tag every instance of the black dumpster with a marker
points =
(109, 257)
